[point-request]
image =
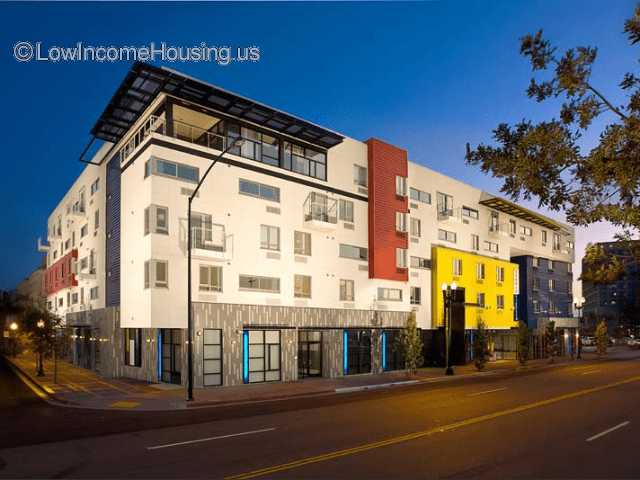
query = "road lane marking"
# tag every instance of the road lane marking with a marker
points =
(590, 372)
(200, 440)
(609, 430)
(486, 391)
(425, 433)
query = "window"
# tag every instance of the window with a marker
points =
(552, 306)
(475, 242)
(494, 222)
(73, 238)
(96, 220)
(401, 257)
(360, 176)
(74, 298)
(416, 229)
(305, 161)
(401, 222)
(302, 286)
(67, 243)
(269, 237)
(256, 146)
(401, 186)
(536, 306)
(570, 244)
(535, 262)
(500, 302)
(301, 243)
(175, 170)
(490, 246)
(95, 186)
(543, 237)
(418, 262)
(156, 274)
(457, 267)
(263, 355)
(419, 196)
(92, 261)
(210, 278)
(447, 236)
(524, 230)
(93, 293)
(556, 241)
(347, 293)
(569, 268)
(345, 210)
(512, 227)
(84, 262)
(480, 271)
(132, 344)
(444, 203)
(212, 356)
(552, 285)
(470, 213)
(480, 300)
(350, 251)
(416, 296)
(536, 283)
(156, 220)
(550, 265)
(259, 190)
(390, 294)
(499, 274)
(263, 284)
(84, 230)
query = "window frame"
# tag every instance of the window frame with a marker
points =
(306, 249)
(299, 282)
(210, 286)
(269, 230)
(345, 285)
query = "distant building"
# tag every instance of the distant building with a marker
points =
(32, 287)
(618, 303)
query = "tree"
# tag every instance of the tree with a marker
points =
(545, 159)
(524, 339)
(411, 345)
(551, 341)
(40, 325)
(602, 338)
(481, 345)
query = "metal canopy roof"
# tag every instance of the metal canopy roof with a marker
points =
(144, 82)
(506, 206)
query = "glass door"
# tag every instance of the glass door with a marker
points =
(309, 354)
(171, 355)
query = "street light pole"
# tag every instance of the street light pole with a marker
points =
(236, 143)
(448, 292)
(40, 326)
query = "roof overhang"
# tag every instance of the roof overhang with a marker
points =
(144, 82)
(511, 208)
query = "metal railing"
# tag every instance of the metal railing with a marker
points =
(320, 207)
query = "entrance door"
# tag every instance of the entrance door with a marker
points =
(171, 355)
(359, 351)
(393, 355)
(309, 354)
(457, 353)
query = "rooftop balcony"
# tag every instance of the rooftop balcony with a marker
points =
(320, 212)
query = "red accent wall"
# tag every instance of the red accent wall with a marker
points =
(59, 275)
(385, 162)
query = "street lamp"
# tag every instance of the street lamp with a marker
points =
(234, 144)
(40, 325)
(13, 326)
(448, 291)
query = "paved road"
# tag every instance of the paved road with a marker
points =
(569, 422)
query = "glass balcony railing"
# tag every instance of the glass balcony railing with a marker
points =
(320, 208)
(210, 238)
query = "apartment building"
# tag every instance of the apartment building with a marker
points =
(309, 248)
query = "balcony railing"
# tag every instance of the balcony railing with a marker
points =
(320, 208)
(210, 238)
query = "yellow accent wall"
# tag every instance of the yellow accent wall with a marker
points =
(443, 272)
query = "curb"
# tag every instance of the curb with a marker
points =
(35, 386)
(214, 403)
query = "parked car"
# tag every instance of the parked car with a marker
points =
(588, 341)
(633, 343)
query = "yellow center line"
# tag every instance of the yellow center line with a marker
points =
(424, 433)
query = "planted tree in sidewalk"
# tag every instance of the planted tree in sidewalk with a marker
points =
(602, 338)
(524, 340)
(481, 345)
(551, 341)
(411, 345)
(40, 325)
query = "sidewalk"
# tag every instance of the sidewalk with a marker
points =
(84, 388)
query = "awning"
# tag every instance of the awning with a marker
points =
(145, 82)
(511, 208)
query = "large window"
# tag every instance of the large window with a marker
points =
(524, 230)
(259, 190)
(301, 243)
(262, 356)
(132, 347)
(444, 203)
(419, 262)
(212, 356)
(350, 251)
(345, 210)
(156, 274)
(210, 278)
(491, 246)
(261, 284)
(302, 286)
(447, 236)
(470, 212)
(360, 176)
(347, 291)
(402, 220)
(494, 222)
(256, 146)
(416, 296)
(419, 195)
(165, 168)
(305, 161)
(390, 294)
(156, 220)
(207, 235)
(401, 258)
(416, 227)
(269, 237)
(401, 186)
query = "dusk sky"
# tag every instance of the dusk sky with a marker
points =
(427, 77)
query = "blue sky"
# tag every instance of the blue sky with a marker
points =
(428, 77)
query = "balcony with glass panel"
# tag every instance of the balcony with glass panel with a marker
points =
(210, 240)
(320, 212)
